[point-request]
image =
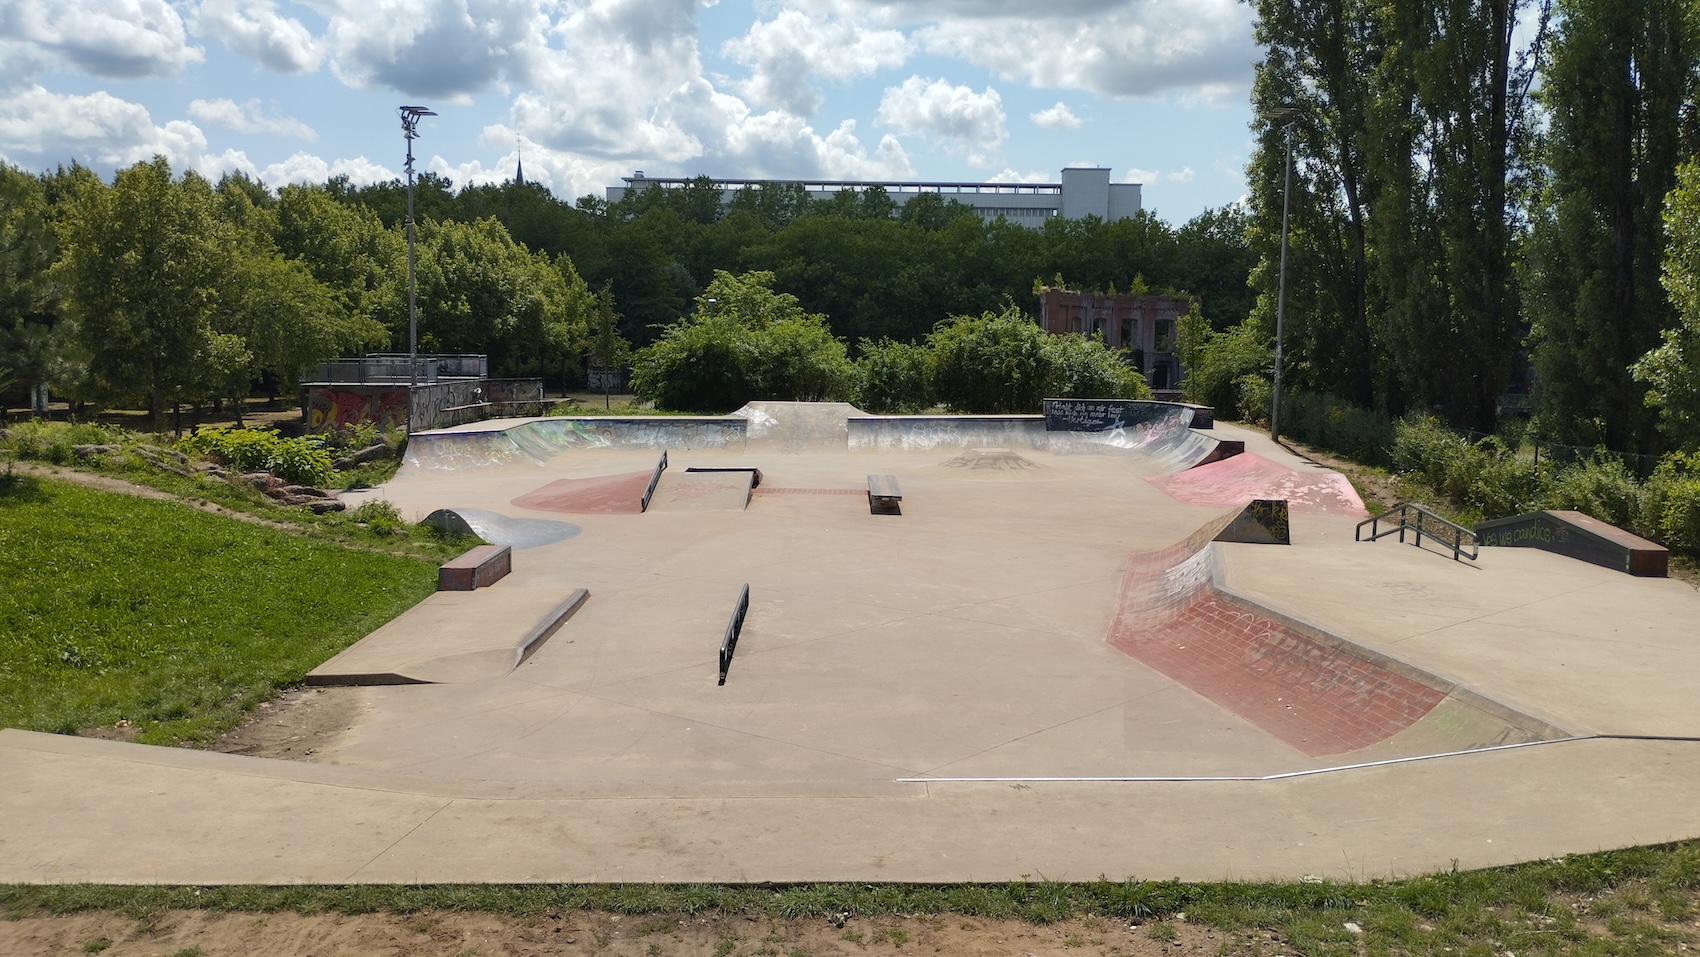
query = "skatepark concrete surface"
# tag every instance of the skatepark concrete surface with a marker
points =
(1043, 666)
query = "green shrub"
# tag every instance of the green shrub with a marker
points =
(1600, 487)
(1486, 477)
(1672, 502)
(993, 363)
(379, 515)
(1085, 368)
(1248, 398)
(303, 461)
(1327, 422)
(53, 441)
(891, 378)
(1226, 370)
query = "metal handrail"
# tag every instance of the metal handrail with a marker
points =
(1404, 511)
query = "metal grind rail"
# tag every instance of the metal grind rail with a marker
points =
(729, 643)
(1414, 517)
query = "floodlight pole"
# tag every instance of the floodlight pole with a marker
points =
(1289, 115)
(410, 131)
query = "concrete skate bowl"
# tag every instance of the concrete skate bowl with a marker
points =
(1233, 481)
(534, 442)
(1318, 692)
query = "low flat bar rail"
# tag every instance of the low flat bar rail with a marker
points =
(729, 644)
(1404, 512)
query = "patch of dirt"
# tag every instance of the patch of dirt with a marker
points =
(457, 934)
(298, 725)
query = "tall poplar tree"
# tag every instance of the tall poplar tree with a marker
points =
(1622, 77)
(1319, 62)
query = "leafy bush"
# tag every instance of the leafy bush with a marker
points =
(1327, 422)
(1600, 487)
(1486, 477)
(891, 378)
(379, 515)
(743, 342)
(1227, 370)
(1671, 505)
(1085, 368)
(303, 461)
(54, 441)
(993, 363)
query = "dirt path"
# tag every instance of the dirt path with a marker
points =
(457, 934)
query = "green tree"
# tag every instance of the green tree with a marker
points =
(1320, 61)
(996, 362)
(1088, 369)
(140, 263)
(1453, 142)
(29, 302)
(1671, 370)
(1619, 82)
(744, 341)
(481, 292)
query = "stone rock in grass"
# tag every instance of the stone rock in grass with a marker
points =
(323, 505)
(376, 450)
(306, 490)
(90, 451)
(264, 481)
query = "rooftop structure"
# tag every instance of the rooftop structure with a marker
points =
(1082, 192)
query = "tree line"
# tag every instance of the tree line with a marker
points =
(1481, 203)
(161, 288)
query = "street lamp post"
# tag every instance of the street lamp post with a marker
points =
(1286, 116)
(410, 131)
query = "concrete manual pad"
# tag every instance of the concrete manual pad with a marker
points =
(702, 492)
(931, 699)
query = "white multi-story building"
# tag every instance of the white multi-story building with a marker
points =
(1083, 191)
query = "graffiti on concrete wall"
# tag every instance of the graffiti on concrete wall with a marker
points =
(336, 407)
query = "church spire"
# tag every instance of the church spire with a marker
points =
(519, 166)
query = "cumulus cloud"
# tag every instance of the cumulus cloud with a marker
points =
(98, 128)
(1116, 48)
(787, 53)
(115, 39)
(1151, 176)
(435, 48)
(967, 122)
(1058, 117)
(251, 117)
(256, 30)
(307, 168)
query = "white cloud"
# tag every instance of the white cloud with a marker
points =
(967, 122)
(249, 118)
(116, 39)
(1058, 117)
(435, 48)
(254, 29)
(786, 53)
(1011, 176)
(99, 129)
(1151, 176)
(1117, 48)
(307, 168)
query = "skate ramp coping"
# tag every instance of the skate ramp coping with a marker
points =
(453, 637)
(534, 442)
(1316, 691)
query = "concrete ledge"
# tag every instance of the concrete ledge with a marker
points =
(479, 567)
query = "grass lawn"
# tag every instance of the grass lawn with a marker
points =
(121, 609)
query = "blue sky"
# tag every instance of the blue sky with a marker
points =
(590, 90)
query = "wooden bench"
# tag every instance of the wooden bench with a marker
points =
(884, 496)
(478, 567)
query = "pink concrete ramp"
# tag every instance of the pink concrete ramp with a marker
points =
(1231, 482)
(1317, 692)
(604, 494)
